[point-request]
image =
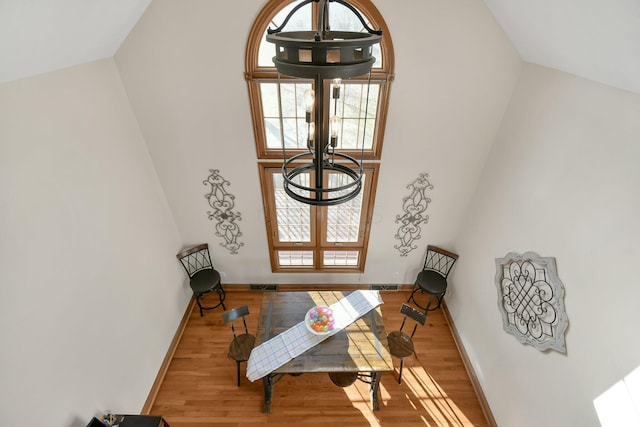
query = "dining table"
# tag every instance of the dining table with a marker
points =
(357, 348)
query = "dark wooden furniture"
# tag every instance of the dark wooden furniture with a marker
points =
(359, 350)
(242, 344)
(400, 343)
(203, 278)
(433, 277)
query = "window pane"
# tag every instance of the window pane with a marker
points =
(293, 217)
(293, 114)
(349, 258)
(342, 19)
(300, 21)
(295, 258)
(353, 108)
(343, 220)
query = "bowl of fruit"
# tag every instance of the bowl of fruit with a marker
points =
(319, 320)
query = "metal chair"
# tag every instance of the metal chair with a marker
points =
(242, 344)
(433, 278)
(400, 343)
(203, 278)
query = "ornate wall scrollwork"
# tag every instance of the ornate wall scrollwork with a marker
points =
(414, 207)
(222, 204)
(530, 298)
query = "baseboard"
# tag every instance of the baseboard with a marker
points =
(151, 398)
(469, 368)
(315, 287)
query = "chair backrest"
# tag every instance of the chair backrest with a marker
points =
(410, 312)
(236, 313)
(195, 259)
(439, 260)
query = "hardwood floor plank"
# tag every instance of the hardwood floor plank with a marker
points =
(199, 387)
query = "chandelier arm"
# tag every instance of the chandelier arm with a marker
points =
(323, 19)
(357, 13)
(294, 10)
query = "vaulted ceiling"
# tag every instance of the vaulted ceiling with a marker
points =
(595, 39)
(38, 36)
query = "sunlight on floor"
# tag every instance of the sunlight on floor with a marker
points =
(434, 398)
(419, 392)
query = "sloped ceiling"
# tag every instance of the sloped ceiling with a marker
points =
(595, 39)
(38, 36)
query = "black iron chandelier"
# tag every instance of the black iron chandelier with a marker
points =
(327, 57)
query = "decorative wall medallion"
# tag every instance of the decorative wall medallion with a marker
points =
(222, 204)
(530, 298)
(414, 207)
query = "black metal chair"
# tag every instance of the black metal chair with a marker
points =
(242, 344)
(400, 343)
(203, 278)
(433, 278)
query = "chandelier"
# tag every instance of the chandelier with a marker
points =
(327, 57)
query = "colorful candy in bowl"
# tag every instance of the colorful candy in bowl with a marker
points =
(319, 320)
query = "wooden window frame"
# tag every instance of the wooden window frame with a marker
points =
(318, 245)
(254, 76)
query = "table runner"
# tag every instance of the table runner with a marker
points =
(277, 351)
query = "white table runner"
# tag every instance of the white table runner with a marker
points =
(277, 351)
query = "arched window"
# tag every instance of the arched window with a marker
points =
(316, 238)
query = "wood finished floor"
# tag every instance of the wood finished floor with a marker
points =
(200, 389)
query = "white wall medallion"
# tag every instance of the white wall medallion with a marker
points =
(414, 207)
(531, 300)
(222, 204)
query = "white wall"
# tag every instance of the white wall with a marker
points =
(91, 294)
(90, 290)
(183, 67)
(562, 181)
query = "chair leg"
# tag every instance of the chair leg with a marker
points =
(198, 296)
(238, 367)
(413, 291)
(222, 296)
(438, 299)
(400, 371)
(417, 288)
(427, 307)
